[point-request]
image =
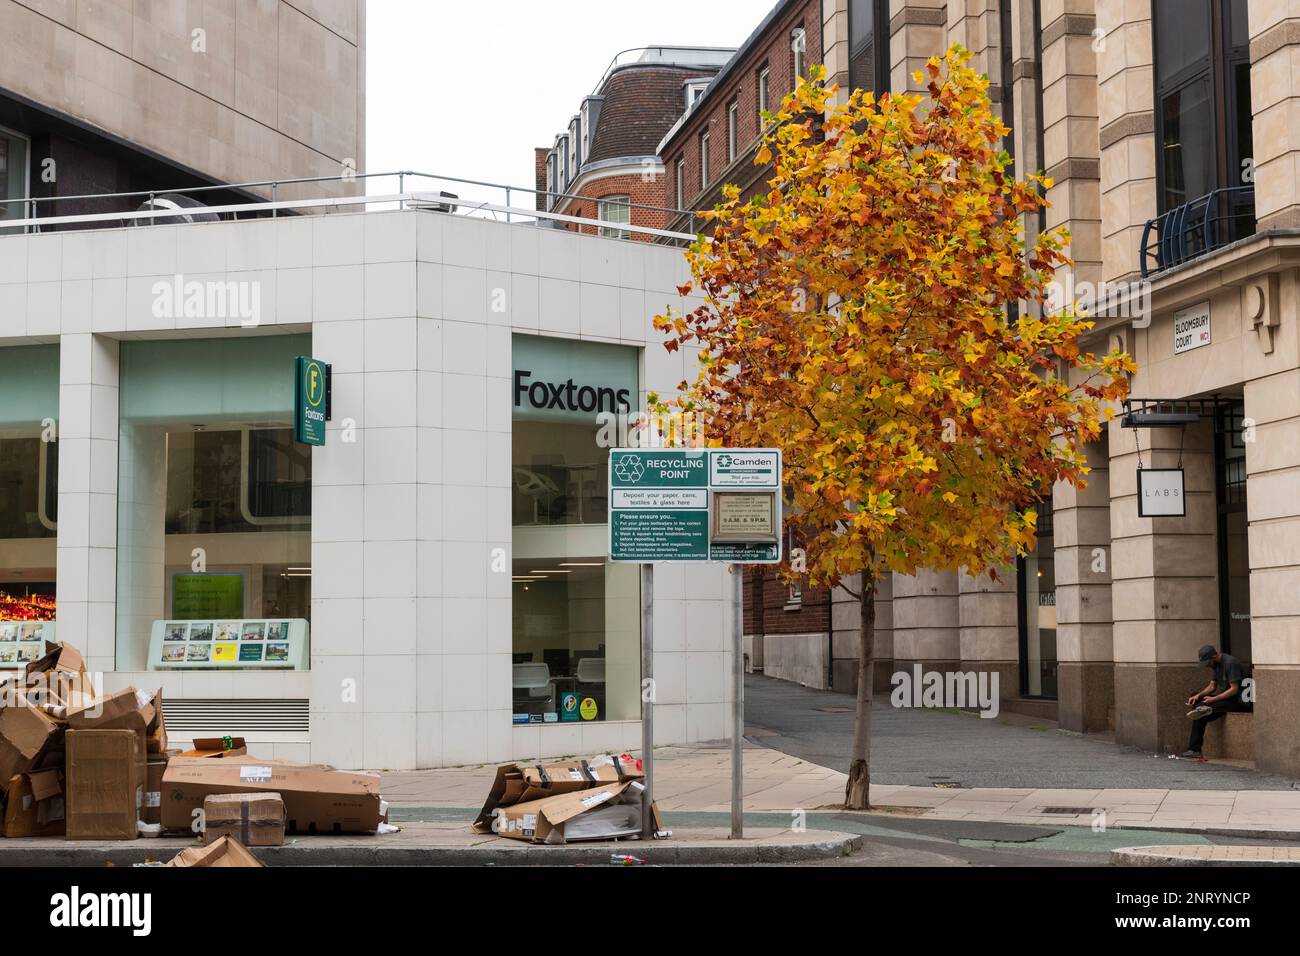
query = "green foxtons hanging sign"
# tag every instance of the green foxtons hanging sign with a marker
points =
(311, 400)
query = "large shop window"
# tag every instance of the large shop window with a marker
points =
(1037, 589)
(214, 505)
(576, 621)
(1204, 142)
(29, 465)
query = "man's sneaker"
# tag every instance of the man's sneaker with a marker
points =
(1198, 712)
(1191, 754)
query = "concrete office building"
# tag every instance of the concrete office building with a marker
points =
(386, 600)
(448, 530)
(1165, 127)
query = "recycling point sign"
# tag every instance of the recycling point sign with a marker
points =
(695, 504)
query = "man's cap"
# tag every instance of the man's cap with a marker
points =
(1207, 654)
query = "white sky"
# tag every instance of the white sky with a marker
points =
(468, 87)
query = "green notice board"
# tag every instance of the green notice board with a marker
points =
(662, 500)
(197, 596)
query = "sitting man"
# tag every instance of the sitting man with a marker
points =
(1221, 695)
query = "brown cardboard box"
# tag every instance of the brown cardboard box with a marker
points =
(27, 733)
(62, 668)
(520, 784)
(151, 812)
(316, 800)
(156, 732)
(105, 783)
(127, 709)
(35, 804)
(254, 819)
(216, 747)
(224, 852)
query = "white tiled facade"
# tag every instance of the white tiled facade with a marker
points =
(410, 626)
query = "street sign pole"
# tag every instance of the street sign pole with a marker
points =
(738, 703)
(647, 705)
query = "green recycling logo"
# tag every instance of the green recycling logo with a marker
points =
(724, 461)
(628, 468)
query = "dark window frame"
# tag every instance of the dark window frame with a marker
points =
(878, 41)
(1215, 66)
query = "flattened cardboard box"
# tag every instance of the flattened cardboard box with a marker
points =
(27, 734)
(542, 821)
(518, 784)
(316, 800)
(105, 784)
(35, 805)
(254, 819)
(224, 852)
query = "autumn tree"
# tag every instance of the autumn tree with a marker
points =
(856, 315)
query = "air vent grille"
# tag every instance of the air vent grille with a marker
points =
(204, 717)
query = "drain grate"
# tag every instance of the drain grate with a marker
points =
(833, 710)
(1066, 811)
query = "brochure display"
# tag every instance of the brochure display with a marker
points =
(264, 643)
(22, 642)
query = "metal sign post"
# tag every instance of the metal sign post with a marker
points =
(694, 505)
(647, 701)
(738, 703)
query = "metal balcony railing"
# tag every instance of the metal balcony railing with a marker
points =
(414, 190)
(1195, 228)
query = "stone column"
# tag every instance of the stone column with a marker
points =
(988, 636)
(1071, 155)
(916, 33)
(845, 630)
(1164, 585)
(1084, 642)
(1272, 477)
(926, 621)
(1275, 103)
(86, 552)
(1127, 133)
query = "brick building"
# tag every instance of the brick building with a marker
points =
(1164, 126)
(605, 164)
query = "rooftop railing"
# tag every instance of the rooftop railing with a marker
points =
(416, 190)
(1193, 229)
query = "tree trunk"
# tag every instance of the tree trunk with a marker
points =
(857, 793)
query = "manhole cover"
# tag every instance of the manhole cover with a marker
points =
(1066, 811)
(834, 710)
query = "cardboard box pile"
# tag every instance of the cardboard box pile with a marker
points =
(594, 799)
(94, 766)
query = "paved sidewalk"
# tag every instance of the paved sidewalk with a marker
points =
(1206, 856)
(699, 779)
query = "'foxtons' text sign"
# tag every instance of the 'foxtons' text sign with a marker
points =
(662, 504)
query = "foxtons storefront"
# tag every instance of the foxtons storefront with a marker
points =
(392, 556)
